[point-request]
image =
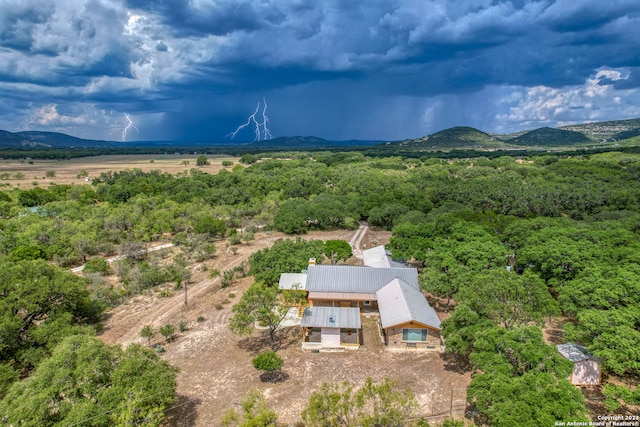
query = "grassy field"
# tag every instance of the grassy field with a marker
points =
(27, 174)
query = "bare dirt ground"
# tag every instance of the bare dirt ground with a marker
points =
(215, 365)
(66, 171)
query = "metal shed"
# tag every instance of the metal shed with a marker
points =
(586, 367)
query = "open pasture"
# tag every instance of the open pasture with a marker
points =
(26, 173)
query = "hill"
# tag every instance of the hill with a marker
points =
(613, 130)
(455, 137)
(549, 137)
(47, 140)
(459, 137)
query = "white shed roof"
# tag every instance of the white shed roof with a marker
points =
(400, 303)
(289, 281)
(575, 352)
(331, 317)
(380, 257)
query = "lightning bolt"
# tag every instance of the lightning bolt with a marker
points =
(265, 130)
(129, 125)
(249, 120)
(262, 131)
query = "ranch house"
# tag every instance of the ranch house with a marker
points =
(337, 295)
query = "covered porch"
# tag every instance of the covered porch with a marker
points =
(331, 327)
(366, 302)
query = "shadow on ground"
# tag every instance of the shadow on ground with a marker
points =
(183, 413)
(455, 363)
(285, 338)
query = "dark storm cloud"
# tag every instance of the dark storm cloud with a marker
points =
(188, 18)
(194, 68)
(17, 22)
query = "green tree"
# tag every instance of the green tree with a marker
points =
(40, 305)
(533, 399)
(167, 331)
(27, 253)
(516, 352)
(259, 304)
(209, 225)
(269, 363)
(202, 160)
(148, 332)
(337, 250)
(372, 405)
(255, 413)
(87, 382)
(611, 335)
(285, 256)
(507, 298)
(97, 265)
(8, 376)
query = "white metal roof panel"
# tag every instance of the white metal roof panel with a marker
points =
(380, 257)
(400, 303)
(292, 281)
(356, 279)
(331, 317)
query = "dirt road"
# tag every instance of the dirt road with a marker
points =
(356, 240)
(215, 365)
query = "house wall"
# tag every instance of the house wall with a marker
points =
(394, 337)
(343, 303)
(330, 337)
(586, 372)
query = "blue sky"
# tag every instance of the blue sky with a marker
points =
(375, 69)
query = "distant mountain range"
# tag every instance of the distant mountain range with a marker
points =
(589, 134)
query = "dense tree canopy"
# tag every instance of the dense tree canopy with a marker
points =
(566, 226)
(39, 305)
(284, 256)
(86, 382)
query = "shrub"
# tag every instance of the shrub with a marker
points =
(148, 332)
(98, 265)
(267, 361)
(167, 331)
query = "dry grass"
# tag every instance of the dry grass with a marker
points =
(66, 171)
(215, 365)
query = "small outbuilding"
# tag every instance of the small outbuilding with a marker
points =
(331, 327)
(586, 367)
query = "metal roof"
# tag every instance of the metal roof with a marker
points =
(331, 317)
(400, 303)
(380, 257)
(575, 352)
(291, 281)
(356, 279)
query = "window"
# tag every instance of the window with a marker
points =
(414, 334)
(367, 303)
